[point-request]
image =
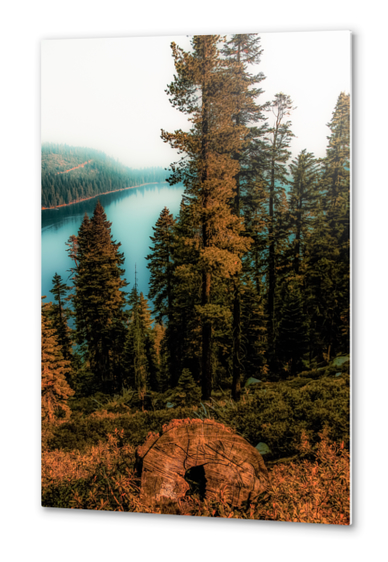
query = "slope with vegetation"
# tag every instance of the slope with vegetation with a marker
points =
(71, 174)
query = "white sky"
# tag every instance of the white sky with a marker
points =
(109, 94)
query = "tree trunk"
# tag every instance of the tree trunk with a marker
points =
(206, 342)
(236, 381)
(236, 384)
(206, 276)
(271, 265)
(203, 458)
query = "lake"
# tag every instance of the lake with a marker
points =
(132, 213)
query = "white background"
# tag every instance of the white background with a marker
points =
(29, 532)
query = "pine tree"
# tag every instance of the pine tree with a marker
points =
(203, 90)
(99, 300)
(148, 334)
(187, 392)
(328, 249)
(135, 352)
(241, 51)
(140, 351)
(183, 331)
(159, 336)
(72, 250)
(303, 204)
(160, 264)
(61, 315)
(278, 140)
(55, 370)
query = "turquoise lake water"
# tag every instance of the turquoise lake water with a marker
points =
(132, 213)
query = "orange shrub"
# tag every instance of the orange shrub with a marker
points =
(310, 491)
(315, 489)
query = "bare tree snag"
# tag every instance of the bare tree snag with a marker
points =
(200, 457)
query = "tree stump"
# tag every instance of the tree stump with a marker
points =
(199, 457)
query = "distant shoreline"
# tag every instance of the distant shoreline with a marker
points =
(98, 195)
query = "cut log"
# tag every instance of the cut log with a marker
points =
(199, 457)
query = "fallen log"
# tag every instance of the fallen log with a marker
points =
(202, 458)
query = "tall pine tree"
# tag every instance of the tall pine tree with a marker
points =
(142, 369)
(303, 204)
(55, 371)
(203, 90)
(241, 51)
(278, 143)
(160, 264)
(61, 315)
(99, 301)
(328, 249)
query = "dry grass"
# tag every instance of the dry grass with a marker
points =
(313, 490)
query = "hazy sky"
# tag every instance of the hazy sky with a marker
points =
(109, 94)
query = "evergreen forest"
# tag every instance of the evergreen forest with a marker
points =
(246, 321)
(71, 174)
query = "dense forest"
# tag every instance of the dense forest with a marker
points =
(70, 174)
(247, 317)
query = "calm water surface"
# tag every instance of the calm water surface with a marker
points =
(132, 213)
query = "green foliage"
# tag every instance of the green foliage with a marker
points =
(99, 301)
(187, 392)
(277, 414)
(142, 368)
(160, 264)
(81, 432)
(327, 256)
(273, 413)
(60, 315)
(277, 145)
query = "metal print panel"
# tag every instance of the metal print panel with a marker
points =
(196, 275)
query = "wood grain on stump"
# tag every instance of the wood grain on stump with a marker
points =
(201, 457)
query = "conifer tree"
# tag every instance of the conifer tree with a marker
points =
(328, 249)
(303, 204)
(160, 264)
(55, 370)
(182, 338)
(148, 334)
(140, 352)
(72, 251)
(61, 315)
(278, 142)
(241, 51)
(159, 335)
(187, 392)
(135, 352)
(99, 300)
(203, 90)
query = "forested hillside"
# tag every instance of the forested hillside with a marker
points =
(70, 174)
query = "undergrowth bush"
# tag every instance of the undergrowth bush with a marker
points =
(278, 414)
(84, 431)
(275, 414)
